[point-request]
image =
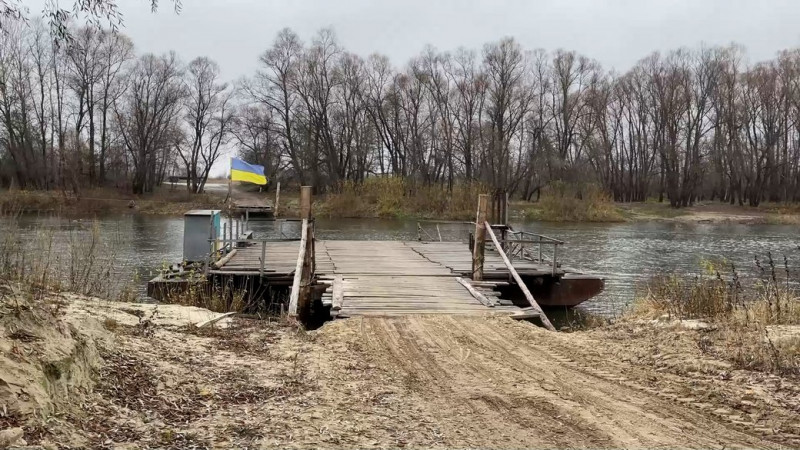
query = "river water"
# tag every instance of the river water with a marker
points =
(624, 254)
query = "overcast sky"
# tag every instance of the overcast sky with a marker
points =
(617, 33)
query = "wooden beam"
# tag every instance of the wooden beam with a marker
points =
(518, 279)
(215, 319)
(277, 199)
(480, 238)
(338, 292)
(225, 259)
(298, 271)
(305, 202)
(478, 296)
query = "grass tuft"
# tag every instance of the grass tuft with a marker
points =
(561, 202)
(101, 201)
(395, 197)
(757, 325)
(82, 263)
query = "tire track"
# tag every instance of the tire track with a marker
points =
(497, 382)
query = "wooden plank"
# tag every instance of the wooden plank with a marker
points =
(298, 271)
(215, 319)
(338, 293)
(478, 250)
(478, 296)
(526, 314)
(224, 260)
(525, 291)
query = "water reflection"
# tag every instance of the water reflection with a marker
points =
(625, 254)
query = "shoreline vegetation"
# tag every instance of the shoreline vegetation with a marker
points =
(80, 371)
(753, 324)
(82, 366)
(395, 198)
(104, 201)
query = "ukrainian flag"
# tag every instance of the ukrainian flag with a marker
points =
(250, 173)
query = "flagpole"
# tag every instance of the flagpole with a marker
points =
(230, 177)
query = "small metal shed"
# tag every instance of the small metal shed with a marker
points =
(201, 228)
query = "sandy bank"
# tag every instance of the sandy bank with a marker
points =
(156, 380)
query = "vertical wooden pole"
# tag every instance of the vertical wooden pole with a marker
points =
(480, 238)
(305, 202)
(211, 243)
(505, 209)
(307, 252)
(263, 256)
(277, 199)
(229, 199)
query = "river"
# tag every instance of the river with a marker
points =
(624, 254)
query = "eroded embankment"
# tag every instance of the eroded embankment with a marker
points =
(417, 381)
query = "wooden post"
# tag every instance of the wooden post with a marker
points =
(229, 198)
(277, 199)
(300, 299)
(294, 297)
(305, 202)
(518, 279)
(480, 238)
(263, 256)
(211, 244)
(225, 233)
(505, 210)
(338, 293)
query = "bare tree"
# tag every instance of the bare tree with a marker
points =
(208, 113)
(274, 87)
(147, 113)
(508, 99)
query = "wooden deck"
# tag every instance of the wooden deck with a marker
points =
(390, 277)
(458, 258)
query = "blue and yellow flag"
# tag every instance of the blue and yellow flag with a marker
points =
(250, 173)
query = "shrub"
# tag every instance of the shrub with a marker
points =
(561, 202)
(757, 323)
(103, 201)
(35, 259)
(393, 197)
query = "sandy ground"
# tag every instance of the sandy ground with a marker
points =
(711, 213)
(247, 195)
(419, 382)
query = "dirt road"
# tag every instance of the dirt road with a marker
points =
(493, 382)
(418, 381)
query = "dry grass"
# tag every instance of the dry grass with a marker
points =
(756, 326)
(394, 197)
(41, 263)
(226, 297)
(567, 203)
(100, 201)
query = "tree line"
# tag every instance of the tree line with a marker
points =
(685, 125)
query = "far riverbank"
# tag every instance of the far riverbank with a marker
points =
(175, 200)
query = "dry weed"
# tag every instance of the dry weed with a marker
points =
(396, 197)
(561, 202)
(745, 317)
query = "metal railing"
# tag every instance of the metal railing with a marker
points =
(518, 244)
(434, 233)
